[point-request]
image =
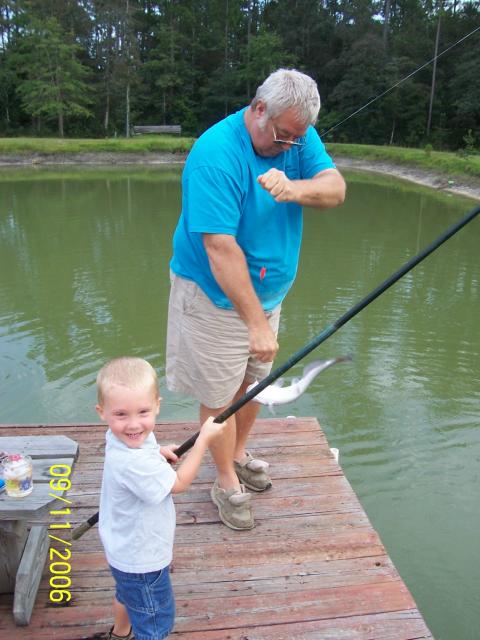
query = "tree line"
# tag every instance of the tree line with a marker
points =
(96, 67)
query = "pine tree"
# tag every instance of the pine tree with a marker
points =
(53, 83)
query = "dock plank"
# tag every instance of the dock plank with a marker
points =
(313, 568)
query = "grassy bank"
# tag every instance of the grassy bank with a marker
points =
(137, 144)
(437, 161)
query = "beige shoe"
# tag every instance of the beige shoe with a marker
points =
(253, 473)
(233, 507)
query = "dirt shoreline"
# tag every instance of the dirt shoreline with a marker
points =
(463, 186)
(469, 187)
(99, 158)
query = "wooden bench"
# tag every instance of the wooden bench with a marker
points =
(164, 128)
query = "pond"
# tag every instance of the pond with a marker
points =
(84, 277)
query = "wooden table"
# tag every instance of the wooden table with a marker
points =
(24, 539)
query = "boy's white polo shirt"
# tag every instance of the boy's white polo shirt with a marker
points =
(137, 514)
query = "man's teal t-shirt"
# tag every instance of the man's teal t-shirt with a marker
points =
(220, 194)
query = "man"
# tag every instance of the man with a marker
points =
(236, 250)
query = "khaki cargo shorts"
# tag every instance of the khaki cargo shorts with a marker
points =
(207, 347)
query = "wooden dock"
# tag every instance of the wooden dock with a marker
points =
(313, 568)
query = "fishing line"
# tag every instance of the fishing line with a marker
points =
(325, 132)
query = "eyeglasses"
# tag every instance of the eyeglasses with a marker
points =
(297, 142)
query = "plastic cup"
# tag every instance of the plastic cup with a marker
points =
(18, 475)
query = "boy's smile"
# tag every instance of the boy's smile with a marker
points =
(130, 413)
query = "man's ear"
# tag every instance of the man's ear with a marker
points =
(260, 109)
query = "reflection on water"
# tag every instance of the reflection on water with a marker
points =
(86, 278)
(84, 264)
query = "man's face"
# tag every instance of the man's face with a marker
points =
(266, 130)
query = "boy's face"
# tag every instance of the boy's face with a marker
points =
(130, 414)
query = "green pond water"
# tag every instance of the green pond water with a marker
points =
(84, 277)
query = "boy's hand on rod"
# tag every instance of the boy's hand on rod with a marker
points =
(168, 452)
(211, 430)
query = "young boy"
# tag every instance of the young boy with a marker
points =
(137, 515)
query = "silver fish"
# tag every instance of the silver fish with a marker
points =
(276, 393)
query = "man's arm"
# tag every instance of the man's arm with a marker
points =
(230, 270)
(324, 190)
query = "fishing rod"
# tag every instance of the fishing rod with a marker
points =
(314, 343)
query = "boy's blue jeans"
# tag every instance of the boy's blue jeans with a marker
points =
(149, 600)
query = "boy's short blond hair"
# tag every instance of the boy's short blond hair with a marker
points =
(129, 372)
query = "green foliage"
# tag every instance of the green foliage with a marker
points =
(263, 54)
(95, 68)
(470, 145)
(53, 83)
(363, 78)
(470, 142)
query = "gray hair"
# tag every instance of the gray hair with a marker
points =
(286, 88)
